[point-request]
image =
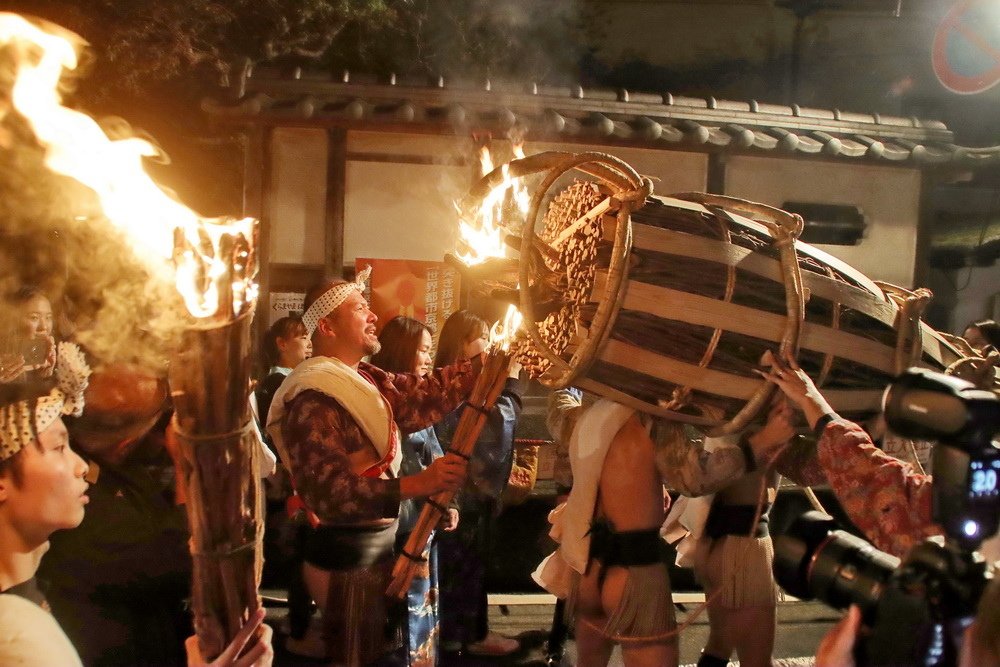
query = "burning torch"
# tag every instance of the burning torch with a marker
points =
(212, 263)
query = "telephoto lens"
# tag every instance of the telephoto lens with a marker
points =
(814, 559)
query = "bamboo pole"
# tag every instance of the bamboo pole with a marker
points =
(481, 401)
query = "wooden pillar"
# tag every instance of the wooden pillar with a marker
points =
(716, 177)
(925, 228)
(256, 190)
(336, 190)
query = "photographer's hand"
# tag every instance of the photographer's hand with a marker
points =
(836, 649)
(797, 386)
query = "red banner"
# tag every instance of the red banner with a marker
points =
(425, 291)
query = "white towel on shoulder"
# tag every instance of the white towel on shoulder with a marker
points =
(589, 444)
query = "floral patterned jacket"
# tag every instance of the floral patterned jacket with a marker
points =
(883, 496)
(321, 437)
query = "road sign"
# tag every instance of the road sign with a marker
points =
(966, 54)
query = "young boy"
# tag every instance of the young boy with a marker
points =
(42, 490)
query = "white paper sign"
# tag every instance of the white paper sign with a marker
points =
(284, 304)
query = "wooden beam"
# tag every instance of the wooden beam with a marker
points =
(256, 190)
(708, 312)
(336, 191)
(716, 176)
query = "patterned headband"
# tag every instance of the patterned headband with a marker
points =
(332, 298)
(19, 424)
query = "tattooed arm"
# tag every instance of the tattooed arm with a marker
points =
(689, 468)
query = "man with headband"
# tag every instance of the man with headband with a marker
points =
(333, 421)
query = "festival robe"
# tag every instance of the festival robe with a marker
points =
(322, 437)
(883, 496)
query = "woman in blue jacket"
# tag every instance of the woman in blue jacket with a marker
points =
(464, 553)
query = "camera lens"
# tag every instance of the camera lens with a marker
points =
(814, 560)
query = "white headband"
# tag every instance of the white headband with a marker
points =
(332, 298)
(19, 424)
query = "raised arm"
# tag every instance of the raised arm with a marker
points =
(884, 497)
(690, 467)
(417, 402)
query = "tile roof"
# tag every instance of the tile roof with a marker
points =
(594, 115)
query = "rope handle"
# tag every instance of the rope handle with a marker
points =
(785, 228)
(912, 304)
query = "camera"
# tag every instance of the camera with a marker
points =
(917, 609)
(34, 351)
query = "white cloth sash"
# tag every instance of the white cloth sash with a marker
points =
(361, 399)
(588, 447)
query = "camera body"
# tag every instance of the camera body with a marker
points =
(966, 466)
(34, 351)
(916, 610)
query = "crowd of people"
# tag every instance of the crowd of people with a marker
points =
(363, 425)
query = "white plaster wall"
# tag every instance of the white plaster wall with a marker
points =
(977, 295)
(400, 210)
(888, 197)
(296, 207)
(395, 143)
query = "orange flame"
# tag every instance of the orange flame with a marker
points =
(503, 334)
(483, 236)
(214, 263)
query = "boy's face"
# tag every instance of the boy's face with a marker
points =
(52, 492)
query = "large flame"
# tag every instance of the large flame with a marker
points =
(483, 237)
(502, 334)
(213, 259)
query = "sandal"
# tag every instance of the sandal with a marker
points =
(494, 645)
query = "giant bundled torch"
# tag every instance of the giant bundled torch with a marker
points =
(668, 304)
(213, 264)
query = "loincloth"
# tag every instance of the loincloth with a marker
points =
(646, 608)
(733, 567)
(359, 561)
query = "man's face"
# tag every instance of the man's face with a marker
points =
(353, 323)
(52, 492)
(976, 339)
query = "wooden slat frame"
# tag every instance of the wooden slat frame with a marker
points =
(704, 311)
(698, 247)
(715, 382)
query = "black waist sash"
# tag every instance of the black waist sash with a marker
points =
(349, 547)
(736, 520)
(626, 548)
